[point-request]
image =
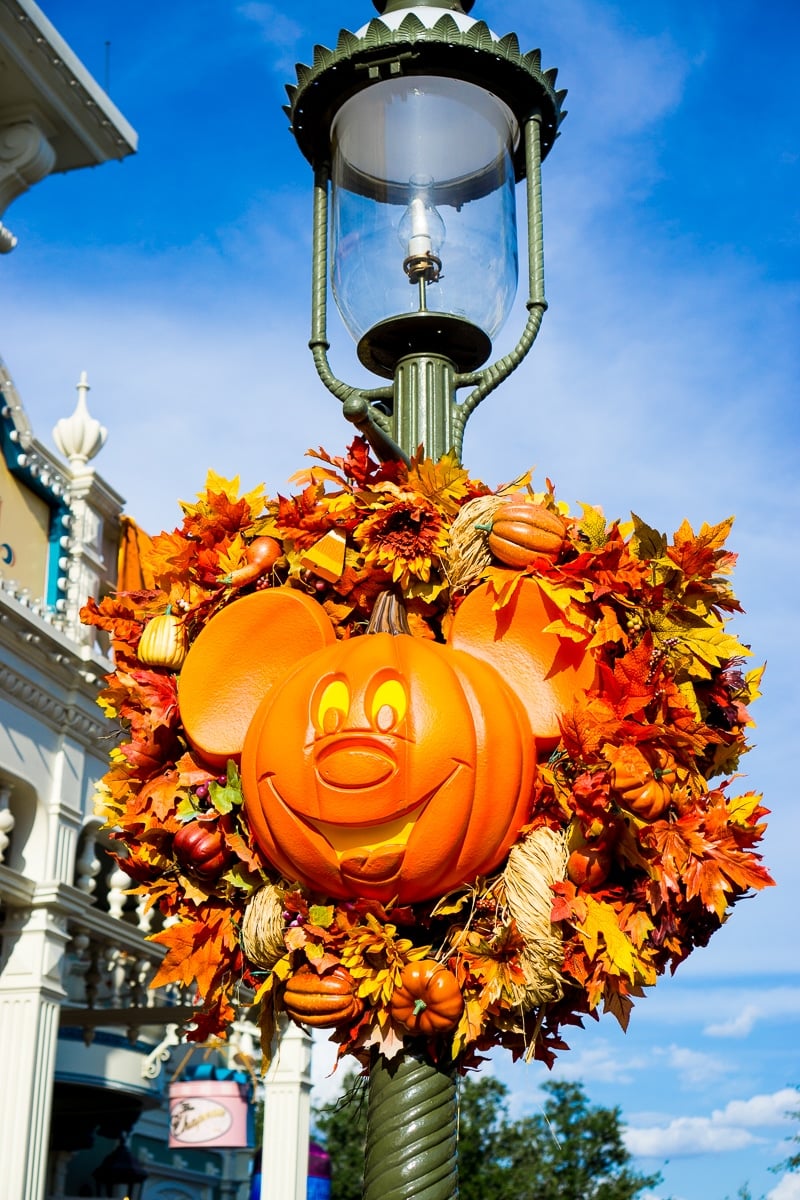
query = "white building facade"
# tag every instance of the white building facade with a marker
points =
(87, 1049)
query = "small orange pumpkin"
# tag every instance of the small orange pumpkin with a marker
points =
(643, 780)
(428, 999)
(521, 530)
(323, 1001)
(590, 859)
(164, 642)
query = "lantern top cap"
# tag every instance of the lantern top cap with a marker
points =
(421, 43)
(384, 6)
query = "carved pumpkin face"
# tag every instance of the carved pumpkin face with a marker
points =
(388, 766)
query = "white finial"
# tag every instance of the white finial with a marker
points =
(80, 436)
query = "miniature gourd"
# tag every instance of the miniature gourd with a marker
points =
(164, 642)
(521, 530)
(260, 556)
(323, 1001)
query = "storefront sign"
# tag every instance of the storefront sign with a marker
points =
(208, 1113)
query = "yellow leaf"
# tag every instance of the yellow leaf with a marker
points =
(233, 557)
(601, 923)
(753, 683)
(469, 1026)
(445, 482)
(593, 526)
(741, 808)
(646, 542)
(705, 642)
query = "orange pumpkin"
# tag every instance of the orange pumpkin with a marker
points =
(521, 530)
(643, 780)
(323, 1001)
(388, 766)
(428, 1000)
(590, 859)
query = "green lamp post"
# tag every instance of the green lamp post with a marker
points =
(418, 127)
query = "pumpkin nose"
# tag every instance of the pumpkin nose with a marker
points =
(354, 766)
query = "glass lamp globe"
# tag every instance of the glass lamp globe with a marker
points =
(423, 221)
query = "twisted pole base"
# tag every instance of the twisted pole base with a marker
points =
(411, 1131)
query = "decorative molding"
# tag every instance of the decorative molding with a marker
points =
(88, 128)
(26, 156)
(84, 728)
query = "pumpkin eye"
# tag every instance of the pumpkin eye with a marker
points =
(333, 707)
(388, 705)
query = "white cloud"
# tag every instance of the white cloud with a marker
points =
(600, 1062)
(280, 32)
(738, 1026)
(693, 1066)
(787, 1189)
(729, 1128)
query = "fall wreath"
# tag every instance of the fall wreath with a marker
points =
(623, 847)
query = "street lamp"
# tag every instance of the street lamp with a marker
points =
(119, 1174)
(418, 127)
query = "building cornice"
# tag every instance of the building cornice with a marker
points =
(55, 680)
(47, 80)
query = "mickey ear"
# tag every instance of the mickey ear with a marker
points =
(237, 658)
(546, 671)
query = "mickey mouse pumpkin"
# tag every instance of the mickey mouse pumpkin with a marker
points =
(384, 766)
(388, 766)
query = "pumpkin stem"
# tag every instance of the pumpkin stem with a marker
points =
(484, 526)
(419, 1006)
(389, 615)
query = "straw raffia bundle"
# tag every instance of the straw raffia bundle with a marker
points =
(533, 866)
(469, 555)
(262, 927)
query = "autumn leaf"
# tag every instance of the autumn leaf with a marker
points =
(701, 554)
(192, 957)
(385, 1038)
(225, 797)
(470, 1026)
(162, 795)
(593, 526)
(646, 542)
(444, 482)
(703, 643)
(601, 923)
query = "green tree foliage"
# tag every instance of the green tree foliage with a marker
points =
(570, 1150)
(792, 1163)
(341, 1126)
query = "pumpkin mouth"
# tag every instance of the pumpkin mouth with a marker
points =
(374, 853)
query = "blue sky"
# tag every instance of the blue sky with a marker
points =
(664, 382)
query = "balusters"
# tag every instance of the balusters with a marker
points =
(118, 884)
(6, 819)
(87, 867)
